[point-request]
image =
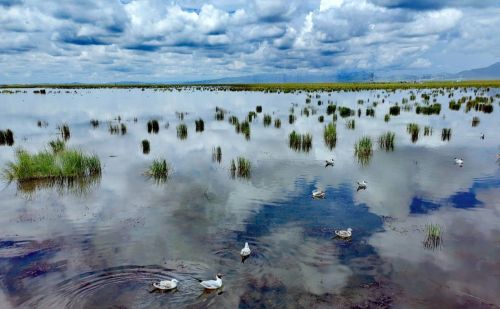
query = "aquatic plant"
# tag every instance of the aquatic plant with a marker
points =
(363, 150)
(305, 111)
(387, 118)
(321, 118)
(123, 128)
(475, 121)
(251, 115)
(216, 154)
(453, 105)
(330, 135)
(241, 168)
(345, 111)
(277, 123)
(394, 110)
(145, 146)
(233, 120)
(158, 170)
(55, 165)
(370, 112)
(330, 109)
(291, 118)
(244, 128)
(446, 134)
(350, 124)
(386, 141)
(200, 125)
(6, 137)
(298, 141)
(429, 110)
(258, 109)
(427, 130)
(153, 126)
(94, 123)
(219, 113)
(482, 104)
(182, 131)
(414, 131)
(267, 120)
(433, 236)
(65, 131)
(57, 145)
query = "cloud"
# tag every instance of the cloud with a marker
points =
(222, 37)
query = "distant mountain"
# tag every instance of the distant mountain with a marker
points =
(491, 72)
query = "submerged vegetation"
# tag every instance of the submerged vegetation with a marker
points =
(240, 168)
(330, 135)
(386, 141)
(363, 150)
(300, 142)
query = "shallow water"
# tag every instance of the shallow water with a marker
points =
(101, 244)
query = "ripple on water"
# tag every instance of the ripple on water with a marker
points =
(128, 286)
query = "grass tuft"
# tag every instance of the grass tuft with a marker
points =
(446, 134)
(414, 131)
(153, 126)
(159, 170)
(330, 135)
(145, 146)
(433, 236)
(386, 141)
(240, 168)
(363, 150)
(267, 120)
(300, 142)
(200, 125)
(182, 131)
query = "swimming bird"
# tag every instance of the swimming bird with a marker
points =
(329, 163)
(212, 284)
(246, 250)
(482, 135)
(318, 194)
(458, 161)
(166, 284)
(362, 185)
(344, 233)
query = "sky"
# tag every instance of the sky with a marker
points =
(98, 41)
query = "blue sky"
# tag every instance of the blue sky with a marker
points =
(156, 40)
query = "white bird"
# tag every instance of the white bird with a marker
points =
(246, 250)
(329, 163)
(212, 284)
(362, 185)
(344, 233)
(459, 161)
(166, 284)
(318, 194)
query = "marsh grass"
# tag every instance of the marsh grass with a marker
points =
(387, 118)
(267, 120)
(159, 170)
(413, 129)
(330, 135)
(63, 164)
(446, 134)
(57, 146)
(475, 121)
(6, 138)
(94, 123)
(182, 131)
(386, 141)
(433, 236)
(394, 110)
(65, 131)
(123, 129)
(200, 125)
(321, 118)
(350, 124)
(330, 109)
(427, 130)
(277, 123)
(145, 146)
(429, 110)
(233, 120)
(305, 112)
(153, 126)
(300, 142)
(291, 118)
(240, 168)
(258, 109)
(363, 150)
(219, 113)
(244, 128)
(370, 112)
(216, 154)
(453, 105)
(251, 116)
(346, 112)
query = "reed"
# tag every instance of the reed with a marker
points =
(363, 150)
(216, 154)
(387, 118)
(258, 109)
(182, 131)
(386, 141)
(394, 110)
(240, 168)
(453, 105)
(427, 130)
(350, 124)
(200, 125)
(94, 123)
(330, 135)
(65, 131)
(145, 146)
(267, 120)
(153, 126)
(291, 118)
(446, 134)
(159, 170)
(6, 137)
(233, 120)
(413, 129)
(57, 146)
(345, 111)
(330, 109)
(433, 236)
(475, 121)
(245, 129)
(251, 116)
(277, 123)
(300, 142)
(429, 110)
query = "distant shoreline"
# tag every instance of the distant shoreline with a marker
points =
(285, 87)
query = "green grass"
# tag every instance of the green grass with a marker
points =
(387, 118)
(182, 131)
(200, 125)
(394, 110)
(240, 168)
(330, 135)
(66, 163)
(300, 142)
(277, 123)
(433, 109)
(363, 150)
(475, 121)
(350, 124)
(413, 129)
(453, 105)
(65, 131)
(268, 119)
(57, 146)
(244, 128)
(145, 146)
(159, 170)
(216, 154)
(433, 236)
(386, 141)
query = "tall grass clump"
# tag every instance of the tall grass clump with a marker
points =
(413, 129)
(346, 111)
(153, 126)
(267, 120)
(299, 142)
(321, 118)
(277, 123)
(291, 118)
(94, 123)
(200, 125)
(386, 141)
(60, 165)
(429, 110)
(233, 120)
(258, 109)
(251, 116)
(394, 110)
(330, 109)
(330, 135)
(57, 146)
(182, 131)
(363, 150)
(216, 154)
(446, 134)
(475, 121)
(158, 170)
(427, 130)
(387, 118)
(453, 105)
(350, 124)
(370, 112)
(244, 128)
(240, 168)
(145, 146)
(433, 236)
(219, 113)
(65, 131)
(6, 138)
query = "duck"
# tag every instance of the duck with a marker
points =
(459, 161)
(329, 163)
(362, 185)
(318, 194)
(482, 135)
(246, 250)
(213, 284)
(166, 284)
(344, 233)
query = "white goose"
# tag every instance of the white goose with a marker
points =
(212, 284)
(318, 194)
(246, 250)
(362, 185)
(166, 284)
(459, 161)
(329, 163)
(344, 233)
